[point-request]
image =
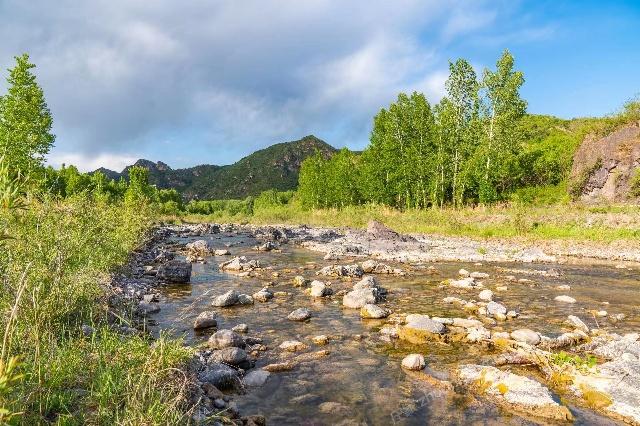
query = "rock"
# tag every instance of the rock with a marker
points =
(495, 308)
(454, 300)
(220, 376)
(320, 340)
(565, 299)
(356, 299)
(331, 256)
(413, 362)
(373, 267)
(367, 282)
(145, 308)
(300, 281)
(229, 355)
(463, 283)
(320, 289)
(239, 264)
(256, 378)
(300, 314)
(466, 322)
(463, 273)
(175, 271)
(293, 346)
(479, 275)
(240, 328)
(206, 319)
(486, 295)
(563, 287)
(516, 392)
(268, 246)
(225, 339)
(221, 252)
(341, 271)
(502, 288)
(373, 311)
(390, 331)
(245, 299)
(263, 295)
(378, 231)
(577, 323)
(512, 314)
(229, 298)
(420, 329)
(87, 330)
(478, 334)
(525, 335)
(199, 248)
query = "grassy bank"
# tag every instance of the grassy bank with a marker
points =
(560, 221)
(54, 262)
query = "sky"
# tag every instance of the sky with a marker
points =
(208, 82)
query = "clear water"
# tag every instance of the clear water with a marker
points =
(362, 376)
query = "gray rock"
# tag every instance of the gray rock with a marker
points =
(225, 339)
(526, 335)
(495, 308)
(256, 378)
(229, 298)
(577, 323)
(239, 264)
(565, 299)
(220, 376)
(300, 314)
(221, 252)
(229, 355)
(263, 295)
(245, 299)
(320, 289)
(373, 311)
(145, 308)
(206, 319)
(175, 271)
(486, 295)
(356, 299)
(413, 362)
(240, 328)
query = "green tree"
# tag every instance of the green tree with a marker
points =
(25, 120)
(312, 182)
(503, 109)
(139, 189)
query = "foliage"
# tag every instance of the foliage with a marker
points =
(562, 358)
(25, 121)
(634, 184)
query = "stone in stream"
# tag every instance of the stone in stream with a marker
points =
(464, 283)
(230, 355)
(374, 267)
(263, 295)
(240, 328)
(206, 319)
(300, 314)
(341, 271)
(478, 334)
(221, 376)
(463, 273)
(268, 246)
(225, 339)
(479, 275)
(319, 289)
(356, 299)
(495, 308)
(229, 298)
(293, 346)
(565, 299)
(199, 247)
(512, 391)
(245, 299)
(255, 378)
(563, 287)
(320, 339)
(486, 295)
(145, 308)
(300, 281)
(175, 271)
(239, 264)
(221, 252)
(413, 362)
(373, 311)
(526, 335)
(421, 329)
(577, 323)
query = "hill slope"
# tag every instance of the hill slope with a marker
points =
(275, 167)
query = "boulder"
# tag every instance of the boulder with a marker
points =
(175, 271)
(495, 308)
(373, 312)
(526, 335)
(206, 319)
(300, 314)
(238, 264)
(486, 295)
(225, 339)
(229, 355)
(413, 362)
(319, 289)
(421, 329)
(263, 295)
(341, 271)
(245, 299)
(229, 298)
(356, 299)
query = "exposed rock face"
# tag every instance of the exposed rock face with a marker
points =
(516, 392)
(603, 167)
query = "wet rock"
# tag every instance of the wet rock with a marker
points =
(526, 335)
(239, 264)
(495, 308)
(421, 329)
(206, 319)
(225, 339)
(229, 298)
(516, 392)
(293, 346)
(486, 295)
(564, 299)
(221, 252)
(263, 295)
(175, 271)
(279, 366)
(320, 339)
(300, 314)
(454, 300)
(391, 331)
(229, 355)
(240, 328)
(369, 282)
(341, 271)
(319, 289)
(356, 299)
(577, 323)
(256, 378)
(145, 308)
(373, 312)
(413, 362)
(245, 299)
(374, 267)
(300, 281)
(220, 376)
(268, 246)
(198, 248)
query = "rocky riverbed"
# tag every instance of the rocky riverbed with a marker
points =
(297, 325)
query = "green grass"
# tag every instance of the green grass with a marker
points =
(564, 221)
(54, 265)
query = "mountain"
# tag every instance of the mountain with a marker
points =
(275, 167)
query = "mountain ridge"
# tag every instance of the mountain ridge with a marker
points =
(275, 167)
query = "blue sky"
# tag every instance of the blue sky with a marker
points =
(210, 82)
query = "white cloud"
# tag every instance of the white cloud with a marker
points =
(87, 163)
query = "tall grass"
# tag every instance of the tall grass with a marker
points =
(54, 265)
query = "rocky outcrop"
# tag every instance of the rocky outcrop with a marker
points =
(603, 168)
